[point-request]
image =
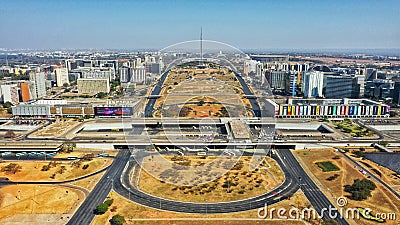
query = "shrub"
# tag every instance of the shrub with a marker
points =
(360, 189)
(45, 168)
(101, 209)
(117, 220)
(85, 166)
(109, 202)
(11, 168)
(327, 166)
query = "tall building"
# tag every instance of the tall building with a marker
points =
(25, 92)
(93, 86)
(371, 74)
(138, 75)
(125, 74)
(293, 82)
(61, 76)
(396, 93)
(360, 79)
(313, 84)
(9, 93)
(379, 89)
(277, 80)
(340, 86)
(39, 84)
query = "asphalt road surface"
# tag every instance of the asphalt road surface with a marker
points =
(310, 189)
(85, 215)
(121, 185)
(285, 190)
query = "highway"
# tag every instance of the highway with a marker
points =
(148, 112)
(310, 189)
(118, 174)
(84, 214)
(291, 168)
(285, 190)
(253, 101)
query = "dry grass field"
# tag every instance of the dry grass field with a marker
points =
(184, 84)
(381, 200)
(239, 183)
(58, 128)
(32, 171)
(37, 199)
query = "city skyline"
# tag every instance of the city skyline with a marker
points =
(157, 24)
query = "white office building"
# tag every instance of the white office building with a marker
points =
(138, 75)
(61, 76)
(39, 84)
(313, 84)
(9, 93)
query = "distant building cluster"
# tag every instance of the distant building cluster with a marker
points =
(91, 76)
(291, 78)
(138, 71)
(24, 90)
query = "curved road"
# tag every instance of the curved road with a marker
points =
(117, 177)
(285, 190)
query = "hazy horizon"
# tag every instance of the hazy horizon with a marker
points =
(156, 24)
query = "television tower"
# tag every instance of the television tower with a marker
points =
(201, 44)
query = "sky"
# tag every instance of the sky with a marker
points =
(155, 24)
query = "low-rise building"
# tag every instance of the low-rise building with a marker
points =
(331, 108)
(93, 86)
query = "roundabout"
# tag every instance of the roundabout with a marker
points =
(282, 192)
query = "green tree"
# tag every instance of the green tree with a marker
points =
(101, 209)
(360, 189)
(117, 220)
(384, 143)
(109, 202)
(101, 95)
(7, 105)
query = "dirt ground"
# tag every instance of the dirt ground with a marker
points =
(246, 182)
(57, 128)
(381, 200)
(38, 199)
(32, 171)
(182, 84)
